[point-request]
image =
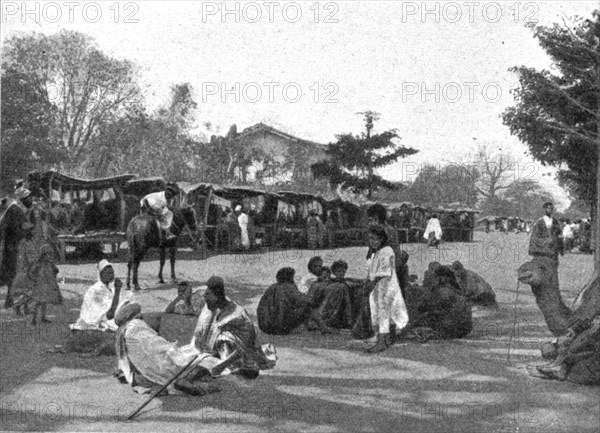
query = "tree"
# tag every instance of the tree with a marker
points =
(27, 123)
(523, 199)
(85, 87)
(353, 159)
(558, 114)
(157, 144)
(497, 172)
(451, 184)
(230, 157)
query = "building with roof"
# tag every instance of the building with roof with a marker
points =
(271, 156)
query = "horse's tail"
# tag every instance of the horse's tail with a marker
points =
(131, 240)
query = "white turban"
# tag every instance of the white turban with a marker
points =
(238, 208)
(22, 192)
(103, 264)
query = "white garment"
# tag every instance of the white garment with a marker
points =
(243, 222)
(157, 201)
(96, 302)
(306, 282)
(548, 221)
(386, 300)
(433, 225)
(567, 232)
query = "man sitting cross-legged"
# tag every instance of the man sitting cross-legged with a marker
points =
(282, 307)
(226, 332)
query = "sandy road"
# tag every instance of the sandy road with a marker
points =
(321, 383)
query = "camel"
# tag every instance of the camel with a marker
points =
(544, 285)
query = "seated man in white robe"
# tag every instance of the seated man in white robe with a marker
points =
(95, 327)
(225, 330)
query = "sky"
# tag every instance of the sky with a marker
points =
(435, 71)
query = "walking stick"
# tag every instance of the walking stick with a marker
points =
(514, 323)
(161, 389)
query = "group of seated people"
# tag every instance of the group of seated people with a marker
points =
(327, 300)
(224, 339)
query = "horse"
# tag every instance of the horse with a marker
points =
(143, 234)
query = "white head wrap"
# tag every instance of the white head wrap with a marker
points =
(22, 193)
(103, 264)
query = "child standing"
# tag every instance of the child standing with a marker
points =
(45, 288)
(22, 285)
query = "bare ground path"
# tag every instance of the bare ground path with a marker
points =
(321, 383)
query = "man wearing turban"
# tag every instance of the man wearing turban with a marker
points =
(146, 360)
(11, 232)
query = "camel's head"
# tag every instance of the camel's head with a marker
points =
(531, 273)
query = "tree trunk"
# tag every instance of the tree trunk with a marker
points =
(596, 221)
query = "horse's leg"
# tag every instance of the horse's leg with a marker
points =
(136, 265)
(129, 262)
(172, 252)
(163, 254)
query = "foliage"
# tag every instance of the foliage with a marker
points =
(442, 186)
(353, 159)
(27, 124)
(556, 114)
(523, 198)
(497, 171)
(58, 92)
(150, 145)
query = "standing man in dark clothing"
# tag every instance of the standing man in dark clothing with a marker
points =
(11, 232)
(546, 236)
(545, 245)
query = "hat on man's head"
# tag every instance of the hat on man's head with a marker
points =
(127, 312)
(238, 208)
(22, 193)
(103, 264)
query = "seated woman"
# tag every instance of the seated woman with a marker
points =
(282, 307)
(438, 309)
(474, 287)
(331, 301)
(314, 269)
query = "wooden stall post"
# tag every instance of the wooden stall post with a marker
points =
(205, 224)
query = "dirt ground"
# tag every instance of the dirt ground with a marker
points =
(320, 383)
